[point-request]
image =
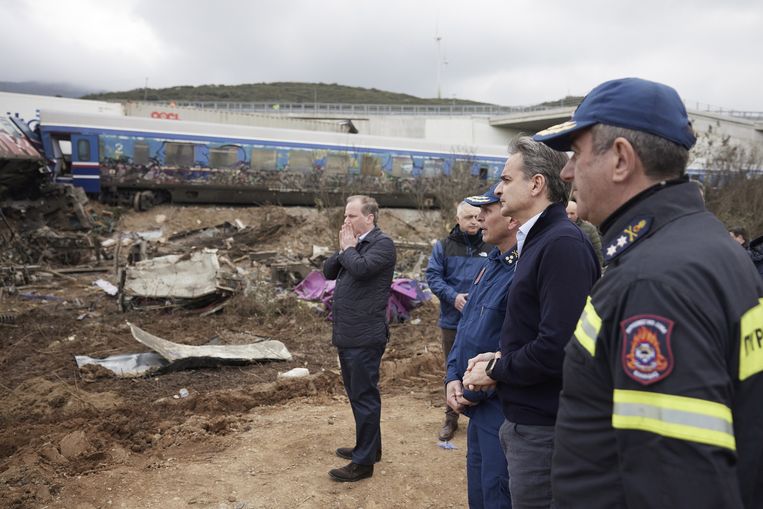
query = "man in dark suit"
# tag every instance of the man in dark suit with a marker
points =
(363, 270)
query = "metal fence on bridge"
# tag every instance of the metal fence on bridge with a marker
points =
(359, 109)
(338, 109)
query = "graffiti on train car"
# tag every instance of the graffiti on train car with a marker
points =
(151, 162)
(165, 115)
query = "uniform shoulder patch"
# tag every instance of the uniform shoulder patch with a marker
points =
(511, 258)
(647, 356)
(636, 230)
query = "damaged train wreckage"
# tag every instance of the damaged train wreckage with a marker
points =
(51, 231)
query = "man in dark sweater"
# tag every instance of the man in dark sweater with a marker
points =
(556, 269)
(363, 271)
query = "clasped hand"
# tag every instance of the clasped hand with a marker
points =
(475, 377)
(454, 396)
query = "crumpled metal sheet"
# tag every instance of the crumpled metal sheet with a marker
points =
(174, 276)
(127, 365)
(268, 349)
(169, 356)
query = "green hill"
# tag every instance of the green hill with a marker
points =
(285, 92)
(570, 100)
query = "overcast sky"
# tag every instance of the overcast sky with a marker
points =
(506, 52)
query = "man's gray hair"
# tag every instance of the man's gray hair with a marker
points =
(539, 159)
(662, 159)
(367, 205)
(461, 206)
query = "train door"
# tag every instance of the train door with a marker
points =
(86, 171)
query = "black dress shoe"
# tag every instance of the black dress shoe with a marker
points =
(351, 472)
(346, 453)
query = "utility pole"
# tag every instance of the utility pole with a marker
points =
(441, 59)
(437, 39)
(145, 90)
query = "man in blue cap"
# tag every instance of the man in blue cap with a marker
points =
(451, 268)
(663, 378)
(479, 330)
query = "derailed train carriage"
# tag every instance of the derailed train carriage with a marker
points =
(144, 161)
(21, 164)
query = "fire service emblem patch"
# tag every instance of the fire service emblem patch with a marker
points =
(646, 354)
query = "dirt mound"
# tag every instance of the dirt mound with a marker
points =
(42, 400)
(242, 400)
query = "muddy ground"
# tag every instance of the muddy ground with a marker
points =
(243, 437)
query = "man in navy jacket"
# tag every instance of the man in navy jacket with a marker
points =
(363, 271)
(452, 266)
(478, 331)
(663, 378)
(556, 269)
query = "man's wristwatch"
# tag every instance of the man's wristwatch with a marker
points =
(490, 366)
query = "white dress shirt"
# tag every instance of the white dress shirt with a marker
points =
(524, 230)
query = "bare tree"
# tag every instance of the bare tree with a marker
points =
(733, 178)
(447, 191)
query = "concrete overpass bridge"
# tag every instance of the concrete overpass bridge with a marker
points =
(464, 123)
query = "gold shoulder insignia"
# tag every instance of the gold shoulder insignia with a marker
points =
(635, 230)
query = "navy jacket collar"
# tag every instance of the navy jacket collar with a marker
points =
(372, 234)
(646, 213)
(508, 258)
(551, 215)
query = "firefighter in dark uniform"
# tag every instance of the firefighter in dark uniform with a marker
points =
(662, 399)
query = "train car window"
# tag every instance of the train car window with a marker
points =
(62, 150)
(483, 173)
(83, 150)
(370, 166)
(263, 159)
(301, 160)
(402, 166)
(433, 167)
(140, 152)
(178, 154)
(66, 148)
(223, 157)
(337, 164)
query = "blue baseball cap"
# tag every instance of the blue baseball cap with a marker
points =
(631, 103)
(484, 199)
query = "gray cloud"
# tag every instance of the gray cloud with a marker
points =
(518, 52)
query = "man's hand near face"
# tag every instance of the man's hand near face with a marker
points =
(347, 237)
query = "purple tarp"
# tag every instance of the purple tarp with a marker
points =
(405, 294)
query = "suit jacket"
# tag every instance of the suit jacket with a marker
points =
(363, 277)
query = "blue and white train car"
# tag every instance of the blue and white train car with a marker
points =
(144, 161)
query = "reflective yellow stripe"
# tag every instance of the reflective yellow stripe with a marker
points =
(691, 419)
(682, 403)
(588, 327)
(751, 339)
